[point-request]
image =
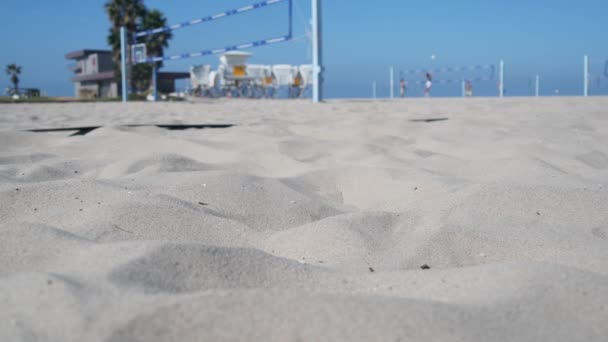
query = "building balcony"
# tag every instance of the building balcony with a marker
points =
(101, 76)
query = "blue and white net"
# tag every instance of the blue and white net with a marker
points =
(450, 75)
(222, 15)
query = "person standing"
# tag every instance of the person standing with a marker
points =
(402, 88)
(428, 85)
(468, 89)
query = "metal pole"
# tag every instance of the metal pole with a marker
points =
(317, 60)
(155, 81)
(586, 76)
(123, 62)
(501, 86)
(374, 89)
(392, 83)
(290, 35)
(462, 89)
(537, 85)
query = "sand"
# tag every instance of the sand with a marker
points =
(306, 222)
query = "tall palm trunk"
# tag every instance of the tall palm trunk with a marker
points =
(15, 81)
(14, 71)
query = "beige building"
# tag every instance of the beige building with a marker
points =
(94, 75)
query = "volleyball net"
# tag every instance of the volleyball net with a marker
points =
(450, 75)
(139, 53)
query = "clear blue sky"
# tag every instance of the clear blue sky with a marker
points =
(362, 39)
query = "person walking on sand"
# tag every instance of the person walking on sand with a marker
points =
(428, 85)
(468, 89)
(402, 88)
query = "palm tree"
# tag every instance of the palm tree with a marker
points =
(122, 13)
(14, 70)
(155, 46)
(134, 16)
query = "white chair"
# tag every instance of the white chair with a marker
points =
(284, 77)
(295, 88)
(270, 82)
(306, 73)
(213, 81)
(262, 84)
(221, 75)
(257, 72)
(199, 75)
(214, 84)
(283, 74)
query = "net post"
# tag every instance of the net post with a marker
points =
(123, 62)
(537, 92)
(374, 89)
(317, 93)
(462, 85)
(501, 85)
(155, 81)
(290, 35)
(586, 75)
(392, 72)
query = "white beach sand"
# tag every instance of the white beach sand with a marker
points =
(306, 222)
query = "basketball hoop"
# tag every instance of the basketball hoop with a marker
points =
(139, 53)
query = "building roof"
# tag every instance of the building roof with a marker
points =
(85, 52)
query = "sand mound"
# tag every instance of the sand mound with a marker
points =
(260, 203)
(21, 143)
(199, 268)
(167, 163)
(287, 316)
(594, 159)
(103, 211)
(43, 173)
(352, 240)
(24, 159)
(29, 247)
